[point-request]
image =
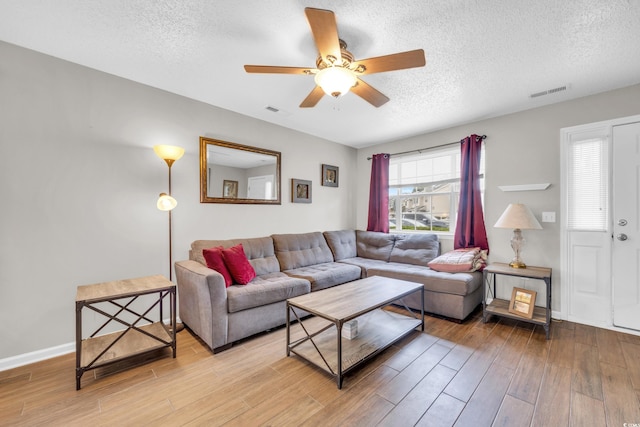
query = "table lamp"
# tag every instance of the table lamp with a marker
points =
(518, 217)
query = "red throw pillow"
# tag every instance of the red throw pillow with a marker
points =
(213, 257)
(238, 264)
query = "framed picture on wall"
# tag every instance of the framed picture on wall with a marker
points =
(300, 191)
(230, 189)
(522, 302)
(330, 176)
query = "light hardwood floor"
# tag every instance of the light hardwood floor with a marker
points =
(502, 373)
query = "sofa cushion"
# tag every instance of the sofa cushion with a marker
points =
(326, 274)
(417, 249)
(259, 251)
(342, 243)
(364, 263)
(448, 283)
(301, 250)
(265, 289)
(460, 261)
(374, 245)
(215, 261)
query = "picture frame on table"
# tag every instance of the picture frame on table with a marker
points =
(229, 189)
(300, 191)
(330, 175)
(522, 302)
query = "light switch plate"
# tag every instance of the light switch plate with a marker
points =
(548, 217)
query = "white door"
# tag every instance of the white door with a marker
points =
(260, 187)
(626, 226)
(587, 232)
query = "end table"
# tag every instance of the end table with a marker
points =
(500, 307)
(141, 335)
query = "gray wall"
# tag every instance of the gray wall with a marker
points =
(521, 148)
(80, 181)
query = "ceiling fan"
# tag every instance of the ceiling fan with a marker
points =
(337, 72)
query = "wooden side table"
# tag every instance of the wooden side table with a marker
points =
(141, 335)
(500, 307)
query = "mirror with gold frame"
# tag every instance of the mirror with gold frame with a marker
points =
(236, 173)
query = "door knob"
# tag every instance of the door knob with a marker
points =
(622, 237)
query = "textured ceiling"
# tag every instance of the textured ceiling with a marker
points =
(484, 58)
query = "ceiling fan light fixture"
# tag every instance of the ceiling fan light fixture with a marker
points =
(335, 81)
(336, 71)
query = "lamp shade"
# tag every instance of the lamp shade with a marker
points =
(335, 81)
(518, 216)
(168, 152)
(166, 202)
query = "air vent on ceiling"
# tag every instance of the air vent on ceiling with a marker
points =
(278, 111)
(549, 91)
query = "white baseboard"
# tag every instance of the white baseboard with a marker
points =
(603, 325)
(36, 356)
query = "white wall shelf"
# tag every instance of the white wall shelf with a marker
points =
(524, 187)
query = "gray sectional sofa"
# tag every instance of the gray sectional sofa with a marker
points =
(288, 265)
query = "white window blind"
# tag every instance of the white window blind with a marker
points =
(588, 186)
(425, 167)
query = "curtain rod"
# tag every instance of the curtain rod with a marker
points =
(429, 148)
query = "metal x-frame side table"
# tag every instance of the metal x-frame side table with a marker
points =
(500, 307)
(141, 335)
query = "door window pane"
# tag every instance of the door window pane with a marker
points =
(588, 185)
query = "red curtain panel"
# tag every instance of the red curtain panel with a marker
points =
(379, 194)
(470, 228)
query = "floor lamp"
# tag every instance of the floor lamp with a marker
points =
(169, 154)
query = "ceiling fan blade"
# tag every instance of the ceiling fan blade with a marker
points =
(312, 99)
(369, 94)
(278, 70)
(396, 61)
(325, 31)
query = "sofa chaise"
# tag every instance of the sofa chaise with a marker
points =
(289, 265)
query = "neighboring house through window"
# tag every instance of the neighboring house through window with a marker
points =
(424, 189)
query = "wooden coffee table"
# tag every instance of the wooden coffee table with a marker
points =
(362, 300)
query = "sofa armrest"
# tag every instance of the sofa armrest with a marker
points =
(202, 297)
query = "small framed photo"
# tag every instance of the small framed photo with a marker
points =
(330, 176)
(300, 191)
(522, 302)
(230, 189)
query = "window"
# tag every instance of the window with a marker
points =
(587, 185)
(424, 189)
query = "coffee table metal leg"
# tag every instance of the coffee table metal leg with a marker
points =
(422, 308)
(339, 334)
(288, 328)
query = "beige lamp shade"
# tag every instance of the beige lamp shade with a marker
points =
(166, 202)
(518, 216)
(168, 153)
